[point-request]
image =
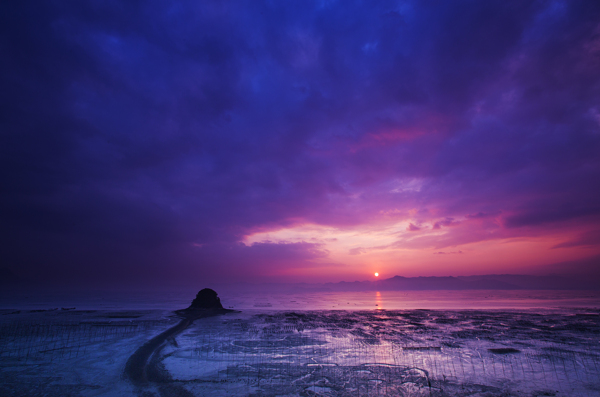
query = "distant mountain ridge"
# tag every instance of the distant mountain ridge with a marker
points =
(504, 282)
(399, 283)
(483, 282)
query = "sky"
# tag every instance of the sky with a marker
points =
(298, 141)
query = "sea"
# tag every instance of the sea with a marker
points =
(235, 298)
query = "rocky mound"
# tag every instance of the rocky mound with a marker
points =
(206, 299)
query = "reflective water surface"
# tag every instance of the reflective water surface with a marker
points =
(173, 299)
(477, 343)
(395, 353)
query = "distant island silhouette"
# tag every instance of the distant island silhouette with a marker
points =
(484, 282)
(504, 282)
(206, 299)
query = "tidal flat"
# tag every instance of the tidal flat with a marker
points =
(532, 352)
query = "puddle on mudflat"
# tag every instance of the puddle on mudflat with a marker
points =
(309, 353)
(394, 353)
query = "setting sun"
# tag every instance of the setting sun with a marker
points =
(376, 274)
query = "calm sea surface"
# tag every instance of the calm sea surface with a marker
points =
(390, 300)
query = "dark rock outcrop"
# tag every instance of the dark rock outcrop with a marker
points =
(206, 299)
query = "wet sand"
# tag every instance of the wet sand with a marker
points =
(142, 371)
(162, 353)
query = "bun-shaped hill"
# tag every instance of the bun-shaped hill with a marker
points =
(206, 299)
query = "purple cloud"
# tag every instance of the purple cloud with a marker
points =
(131, 132)
(445, 222)
(357, 251)
(587, 239)
(413, 228)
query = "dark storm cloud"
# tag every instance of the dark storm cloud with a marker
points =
(132, 127)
